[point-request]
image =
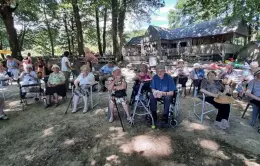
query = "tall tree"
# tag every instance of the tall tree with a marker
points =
(104, 30)
(7, 8)
(98, 28)
(79, 27)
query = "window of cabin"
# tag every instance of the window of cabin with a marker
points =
(174, 45)
(183, 44)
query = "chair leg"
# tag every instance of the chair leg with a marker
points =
(245, 110)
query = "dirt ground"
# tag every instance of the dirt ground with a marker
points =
(48, 137)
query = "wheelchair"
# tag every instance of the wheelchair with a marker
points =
(35, 89)
(142, 100)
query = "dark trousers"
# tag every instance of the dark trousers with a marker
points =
(153, 106)
(223, 109)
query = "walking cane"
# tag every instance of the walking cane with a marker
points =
(69, 104)
(118, 115)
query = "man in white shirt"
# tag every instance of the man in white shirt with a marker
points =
(66, 68)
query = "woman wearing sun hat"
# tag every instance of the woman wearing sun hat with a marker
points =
(197, 75)
(55, 85)
(253, 91)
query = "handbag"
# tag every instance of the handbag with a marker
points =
(119, 93)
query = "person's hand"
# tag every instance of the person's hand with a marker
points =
(117, 79)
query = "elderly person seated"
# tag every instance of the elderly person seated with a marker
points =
(229, 77)
(117, 88)
(3, 116)
(4, 77)
(105, 73)
(82, 83)
(13, 66)
(247, 76)
(142, 75)
(27, 77)
(213, 88)
(180, 75)
(55, 85)
(253, 91)
(197, 75)
(163, 88)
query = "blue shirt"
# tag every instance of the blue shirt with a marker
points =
(106, 70)
(166, 84)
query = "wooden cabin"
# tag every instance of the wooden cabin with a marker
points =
(213, 39)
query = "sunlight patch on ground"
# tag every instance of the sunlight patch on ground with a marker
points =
(114, 159)
(220, 154)
(247, 162)
(29, 157)
(149, 146)
(99, 111)
(251, 163)
(195, 126)
(69, 142)
(209, 144)
(48, 132)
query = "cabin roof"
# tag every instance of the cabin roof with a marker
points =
(205, 28)
(135, 41)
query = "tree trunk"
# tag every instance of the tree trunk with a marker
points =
(104, 31)
(72, 34)
(121, 23)
(21, 38)
(79, 27)
(249, 32)
(98, 30)
(7, 17)
(48, 29)
(67, 31)
(1, 47)
(114, 4)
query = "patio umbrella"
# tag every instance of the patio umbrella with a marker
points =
(5, 52)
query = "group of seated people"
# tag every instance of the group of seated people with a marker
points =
(162, 84)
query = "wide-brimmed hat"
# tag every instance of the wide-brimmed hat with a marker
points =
(180, 60)
(53, 66)
(28, 66)
(196, 65)
(257, 71)
(160, 67)
(115, 68)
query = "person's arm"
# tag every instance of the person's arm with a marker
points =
(111, 84)
(120, 87)
(203, 89)
(76, 82)
(34, 75)
(67, 63)
(62, 79)
(18, 62)
(250, 89)
(136, 78)
(48, 83)
(22, 75)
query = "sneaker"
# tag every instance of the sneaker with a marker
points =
(85, 110)
(225, 123)
(4, 117)
(74, 111)
(111, 119)
(219, 124)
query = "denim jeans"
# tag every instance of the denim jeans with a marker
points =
(153, 106)
(255, 114)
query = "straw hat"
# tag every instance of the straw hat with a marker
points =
(53, 66)
(224, 100)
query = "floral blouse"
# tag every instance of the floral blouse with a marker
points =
(56, 78)
(120, 82)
